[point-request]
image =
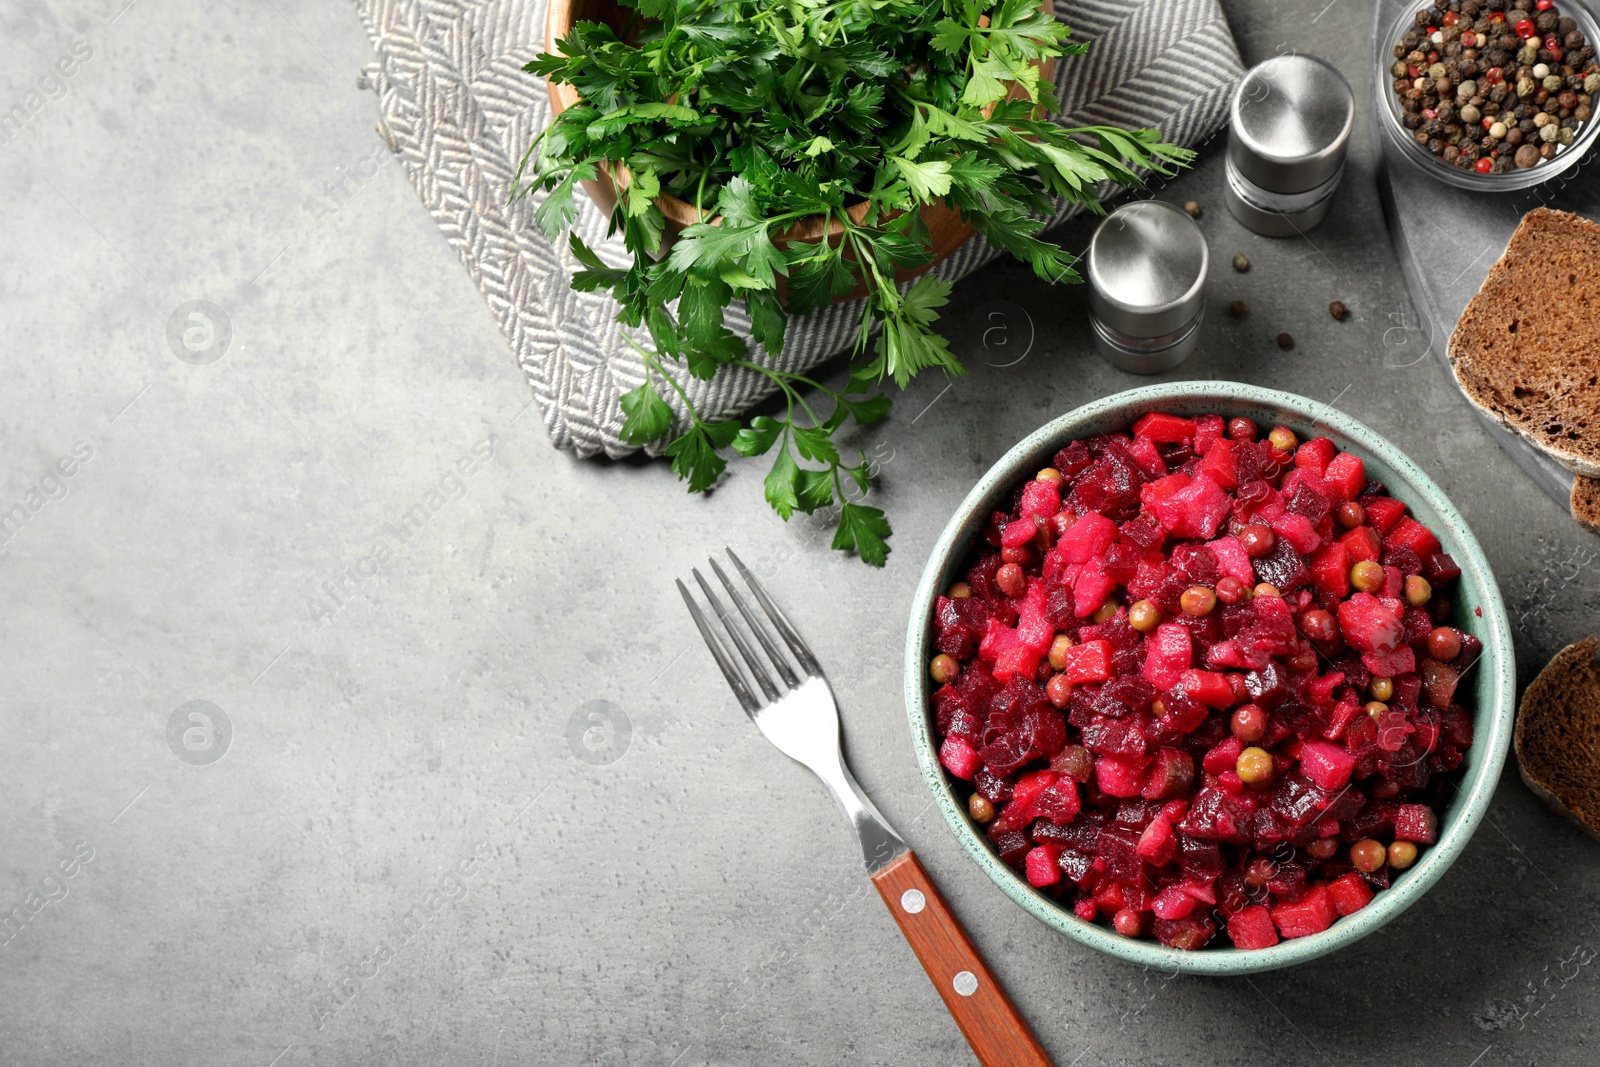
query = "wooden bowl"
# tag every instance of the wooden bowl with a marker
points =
(948, 230)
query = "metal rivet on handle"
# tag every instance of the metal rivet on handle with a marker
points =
(966, 983)
(913, 901)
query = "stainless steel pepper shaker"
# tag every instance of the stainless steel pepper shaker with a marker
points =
(1147, 271)
(1288, 134)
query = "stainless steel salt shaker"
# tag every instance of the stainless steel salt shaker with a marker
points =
(1288, 134)
(1147, 271)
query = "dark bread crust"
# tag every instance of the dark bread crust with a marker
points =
(1557, 738)
(1527, 349)
(1586, 502)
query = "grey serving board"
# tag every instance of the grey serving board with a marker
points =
(1448, 238)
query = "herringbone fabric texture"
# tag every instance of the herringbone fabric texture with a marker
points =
(457, 106)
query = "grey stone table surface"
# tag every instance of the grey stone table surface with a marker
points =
(481, 798)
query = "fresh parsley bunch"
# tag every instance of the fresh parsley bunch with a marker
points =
(761, 113)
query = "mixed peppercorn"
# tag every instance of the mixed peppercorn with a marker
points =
(1494, 85)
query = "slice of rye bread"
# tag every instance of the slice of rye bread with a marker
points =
(1586, 502)
(1527, 349)
(1557, 738)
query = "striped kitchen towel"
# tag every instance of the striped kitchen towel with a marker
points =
(457, 106)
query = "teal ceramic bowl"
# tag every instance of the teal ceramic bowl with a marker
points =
(1490, 688)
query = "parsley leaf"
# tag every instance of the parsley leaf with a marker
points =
(782, 483)
(864, 530)
(646, 416)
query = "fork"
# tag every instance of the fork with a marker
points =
(797, 712)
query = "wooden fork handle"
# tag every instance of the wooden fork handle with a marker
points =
(998, 1035)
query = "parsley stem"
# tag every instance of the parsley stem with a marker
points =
(774, 373)
(650, 363)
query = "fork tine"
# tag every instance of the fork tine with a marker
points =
(791, 637)
(747, 699)
(758, 629)
(751, 662)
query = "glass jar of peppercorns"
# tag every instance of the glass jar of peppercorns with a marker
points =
(1488, 94)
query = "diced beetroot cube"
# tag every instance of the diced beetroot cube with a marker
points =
(1183, 715)
(1298, 531)
(1169, 652)
(1035, 630)
(1344, 713)
(1187, 507)
(1390, 663)
(1019, 532)
(1345, 475)
(1087, 538)
(997, 638)
(1207, 432)
(1091, 588)
(1029, 786)
(1041, 498)
(1370, 624)
(1383, 512)
(1214, 816)
(1321, 689)
(1072, 459)
(1109, 895)
(1413, 535)
(1042, 865)
(1362, 543)
(1114, 737)
(958, 757)
(1230, 653)
(1012, 846)
(1006, 753)
(1330, 571)
(1232, 560)
(1046, 730)
(1221, 464)
(1119, 847)
(1059, 802)
(1088, 662)
(1311, 914)
(1149, 580)
(1018, 661)
(1120, 776)
(1314, 455)
(1209, 687)
(1085, 909)
(1416, 822)
(1252, 927)
(1440, 568)
(1163, 428)
(1403, 558)
(1393, 582)
(1393, 729)
(1327, 765)
(1173, 903)
(1283, 567)
(1144, 535)
(1148, 457)
(1223, 756)
(1188, 933)
(1349, 893)
(1158, 843)
(1438, 683)
(1171, 775)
